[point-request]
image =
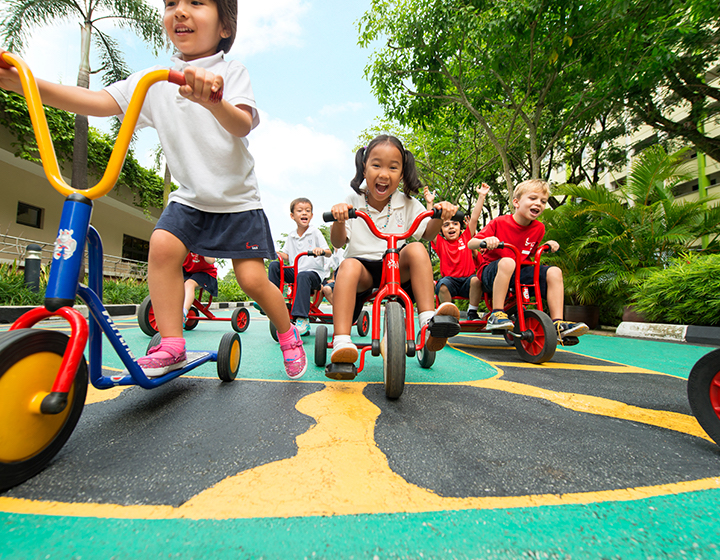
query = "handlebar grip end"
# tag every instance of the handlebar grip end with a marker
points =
(328, 217)
(176, 77)
(4, 64)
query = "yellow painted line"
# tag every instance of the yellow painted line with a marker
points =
(338, 470)
(581, 367)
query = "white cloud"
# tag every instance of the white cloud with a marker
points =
(293, 160)
(268, 25)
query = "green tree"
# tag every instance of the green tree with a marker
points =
(611, 241)
(524, 70)
(21, 17)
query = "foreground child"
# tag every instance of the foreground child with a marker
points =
(382, 165)
(217, 208)
(311, 270)
(497, 266)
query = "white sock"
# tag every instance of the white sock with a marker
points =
(340, 339)
(472, 307)
(425, 316)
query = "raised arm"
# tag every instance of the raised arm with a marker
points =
(482, 191)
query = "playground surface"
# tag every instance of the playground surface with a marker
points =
(594, 454)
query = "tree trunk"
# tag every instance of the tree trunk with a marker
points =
(80, 143)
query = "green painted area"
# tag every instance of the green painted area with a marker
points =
(666, 357)
(665, 527)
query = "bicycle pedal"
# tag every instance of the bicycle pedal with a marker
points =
(443, 326)
(341, 371)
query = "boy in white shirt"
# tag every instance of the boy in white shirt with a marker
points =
(311, 270)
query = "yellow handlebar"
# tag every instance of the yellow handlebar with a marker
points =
(42, 132)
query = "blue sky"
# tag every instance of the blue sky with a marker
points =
(307, 73)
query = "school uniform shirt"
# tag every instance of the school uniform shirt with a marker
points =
(213, 168)
(362, 243)
(195, 263)
(296, 244)
(506, 229)
(456, 259)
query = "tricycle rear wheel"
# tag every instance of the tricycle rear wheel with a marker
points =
(146, 317)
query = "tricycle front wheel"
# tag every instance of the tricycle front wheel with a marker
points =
(29, 362)
(540, 346)
(703, 389)
(394, 351)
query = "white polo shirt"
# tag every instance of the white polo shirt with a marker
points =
(296, 244)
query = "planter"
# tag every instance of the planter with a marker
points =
(588, 314)
(632, 316)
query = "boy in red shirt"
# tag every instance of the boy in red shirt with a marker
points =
(457, 264)
(497, 266)
(198, 272)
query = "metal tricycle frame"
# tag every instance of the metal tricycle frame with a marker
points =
(534, 336)
(39, 421)
(315, 315)
(392, 294)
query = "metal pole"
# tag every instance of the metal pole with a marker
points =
(33, 260)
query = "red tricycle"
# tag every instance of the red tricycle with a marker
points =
(534, 335)
(316, 315)
(239, 321)
(399, 336)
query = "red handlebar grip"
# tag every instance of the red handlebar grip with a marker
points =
(4, 64)
(178, 78)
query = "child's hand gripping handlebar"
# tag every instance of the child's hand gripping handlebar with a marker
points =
(42, 133)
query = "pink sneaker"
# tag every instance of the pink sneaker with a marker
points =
(294, 356)
(161, 360)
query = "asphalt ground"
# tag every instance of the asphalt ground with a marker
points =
(593, 455)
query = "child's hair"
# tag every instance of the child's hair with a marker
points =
(227, 13)
(411, 183)
(531, 185)
(298, 201)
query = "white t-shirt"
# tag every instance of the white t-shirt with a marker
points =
(361, 242)
(296, 244)
(333, 261)
(214, 169)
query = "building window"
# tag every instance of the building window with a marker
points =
(29, 215)
(135, 249)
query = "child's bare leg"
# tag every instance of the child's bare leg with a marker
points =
(501, 284)
(190, 287)
(475, 291)
(353, 279)
(165, 281)
(443, 294)
(415, 265)
(555, 293)
(252, 277)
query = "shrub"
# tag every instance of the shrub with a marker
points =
(124, 291)
(687, 292)
(229, 290)
(13, 290)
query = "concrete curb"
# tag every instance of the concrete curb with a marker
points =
(8, 314)
(674, 333)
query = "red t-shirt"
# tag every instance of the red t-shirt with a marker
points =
(195, 263)
(456, 259)
(506, 229)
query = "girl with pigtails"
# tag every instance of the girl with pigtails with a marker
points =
(381, 168)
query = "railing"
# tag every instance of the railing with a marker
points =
(13, 249)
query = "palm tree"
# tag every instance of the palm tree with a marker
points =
(616, 239)
(22, 16)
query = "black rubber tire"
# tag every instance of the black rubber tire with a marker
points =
(191, 323)
(146, 317)
(426, 358)
(703, 389)
(394, 359)
(154, 341)
(542, 346)
(240, 319)
(363, 323)
(273, 332)
(228, 356)
(41, 351)
(321, 335)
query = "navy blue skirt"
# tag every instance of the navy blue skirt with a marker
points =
(234, 235)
